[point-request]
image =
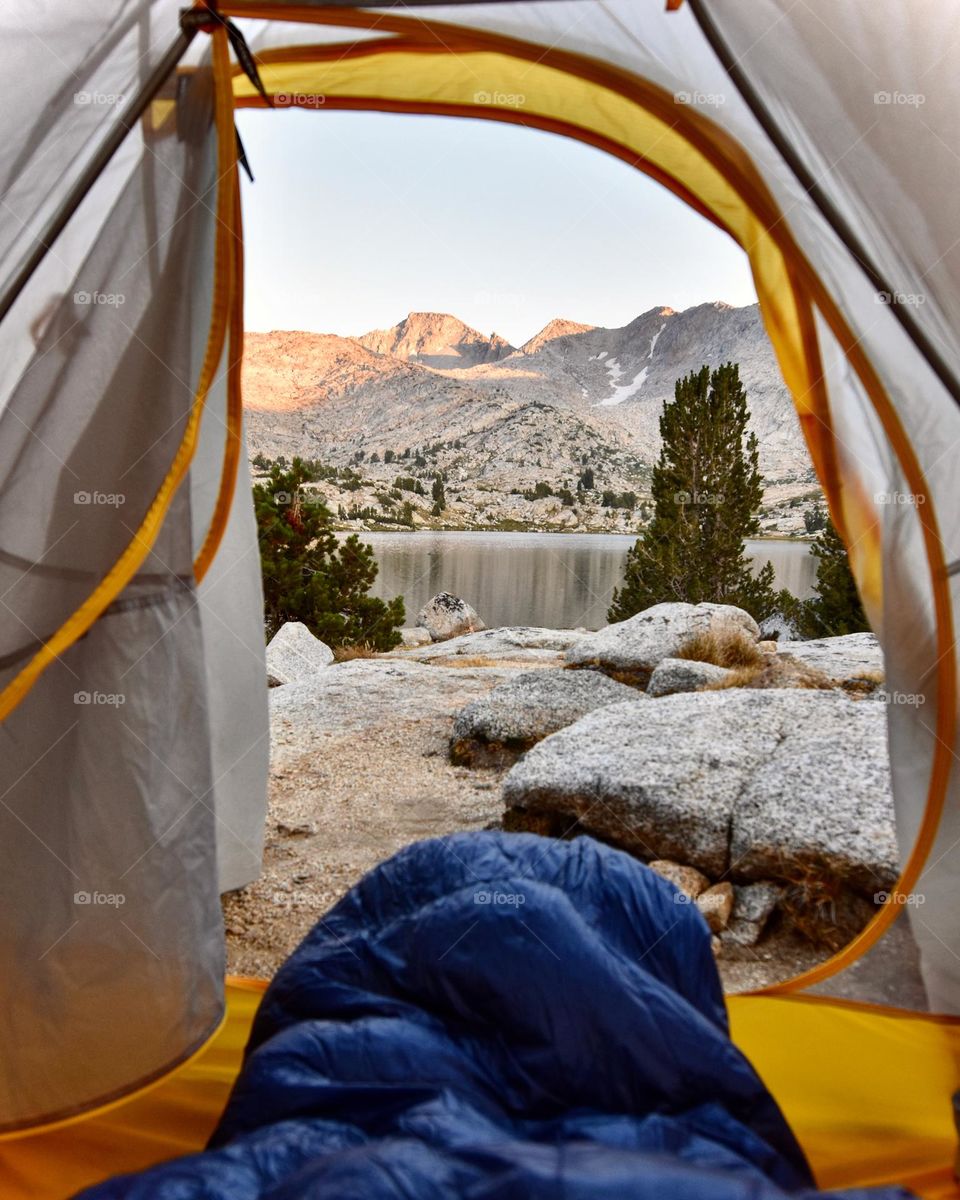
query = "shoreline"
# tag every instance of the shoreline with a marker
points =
(558, 533)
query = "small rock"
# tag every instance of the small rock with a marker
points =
(777, 628)
(414, 637)
(304, 829)
(293, 653)
(689, 880)
(716, 905)
(756, 901)
(446, 616)
(753, 905)
(716, 945)
(768, 647)
(683, 675)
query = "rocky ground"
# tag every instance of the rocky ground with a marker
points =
(768, 806)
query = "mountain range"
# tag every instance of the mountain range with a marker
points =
(571, 391)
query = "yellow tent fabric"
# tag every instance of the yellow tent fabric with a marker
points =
(862, 1087)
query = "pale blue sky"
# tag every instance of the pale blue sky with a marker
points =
(356, 219)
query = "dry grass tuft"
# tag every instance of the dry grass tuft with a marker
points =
(724, 647)
(739, 677)
(778, 671)
(348, 653)
(863, 684)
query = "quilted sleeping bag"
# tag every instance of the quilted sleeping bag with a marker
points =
(499, 1017)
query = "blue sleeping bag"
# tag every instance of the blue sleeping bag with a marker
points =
(495, 1017)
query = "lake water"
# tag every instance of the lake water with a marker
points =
(557, 580)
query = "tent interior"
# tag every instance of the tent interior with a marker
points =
(121, 1053)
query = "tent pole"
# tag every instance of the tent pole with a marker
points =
(91, 173)
(828, 209)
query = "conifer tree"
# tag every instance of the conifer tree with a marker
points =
(439, 495)
(309, 575)
(707, 490)
(836, 607)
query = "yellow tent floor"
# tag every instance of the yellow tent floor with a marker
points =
(867, 1091)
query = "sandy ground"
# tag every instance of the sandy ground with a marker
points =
(336, 812)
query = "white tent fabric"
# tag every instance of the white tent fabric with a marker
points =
(133, 772)
(230, 600)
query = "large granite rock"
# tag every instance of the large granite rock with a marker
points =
(446, 616)
(368, 695)
(501, 725)
(822, 803)
(851, 657)
(684, 675)
(632, 648)
(294, 653)
(737, 783)
(511, 643)
(657, 778)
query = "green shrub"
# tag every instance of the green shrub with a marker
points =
(310, 575)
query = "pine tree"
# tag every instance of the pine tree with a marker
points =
(309, 575)
(707, 490)
(815, 519)
(439, 495)
(836, 608)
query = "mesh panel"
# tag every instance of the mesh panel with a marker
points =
(110, 929)
(66, 78)
(91, 429)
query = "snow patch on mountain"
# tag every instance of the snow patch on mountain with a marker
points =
(624, 391)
